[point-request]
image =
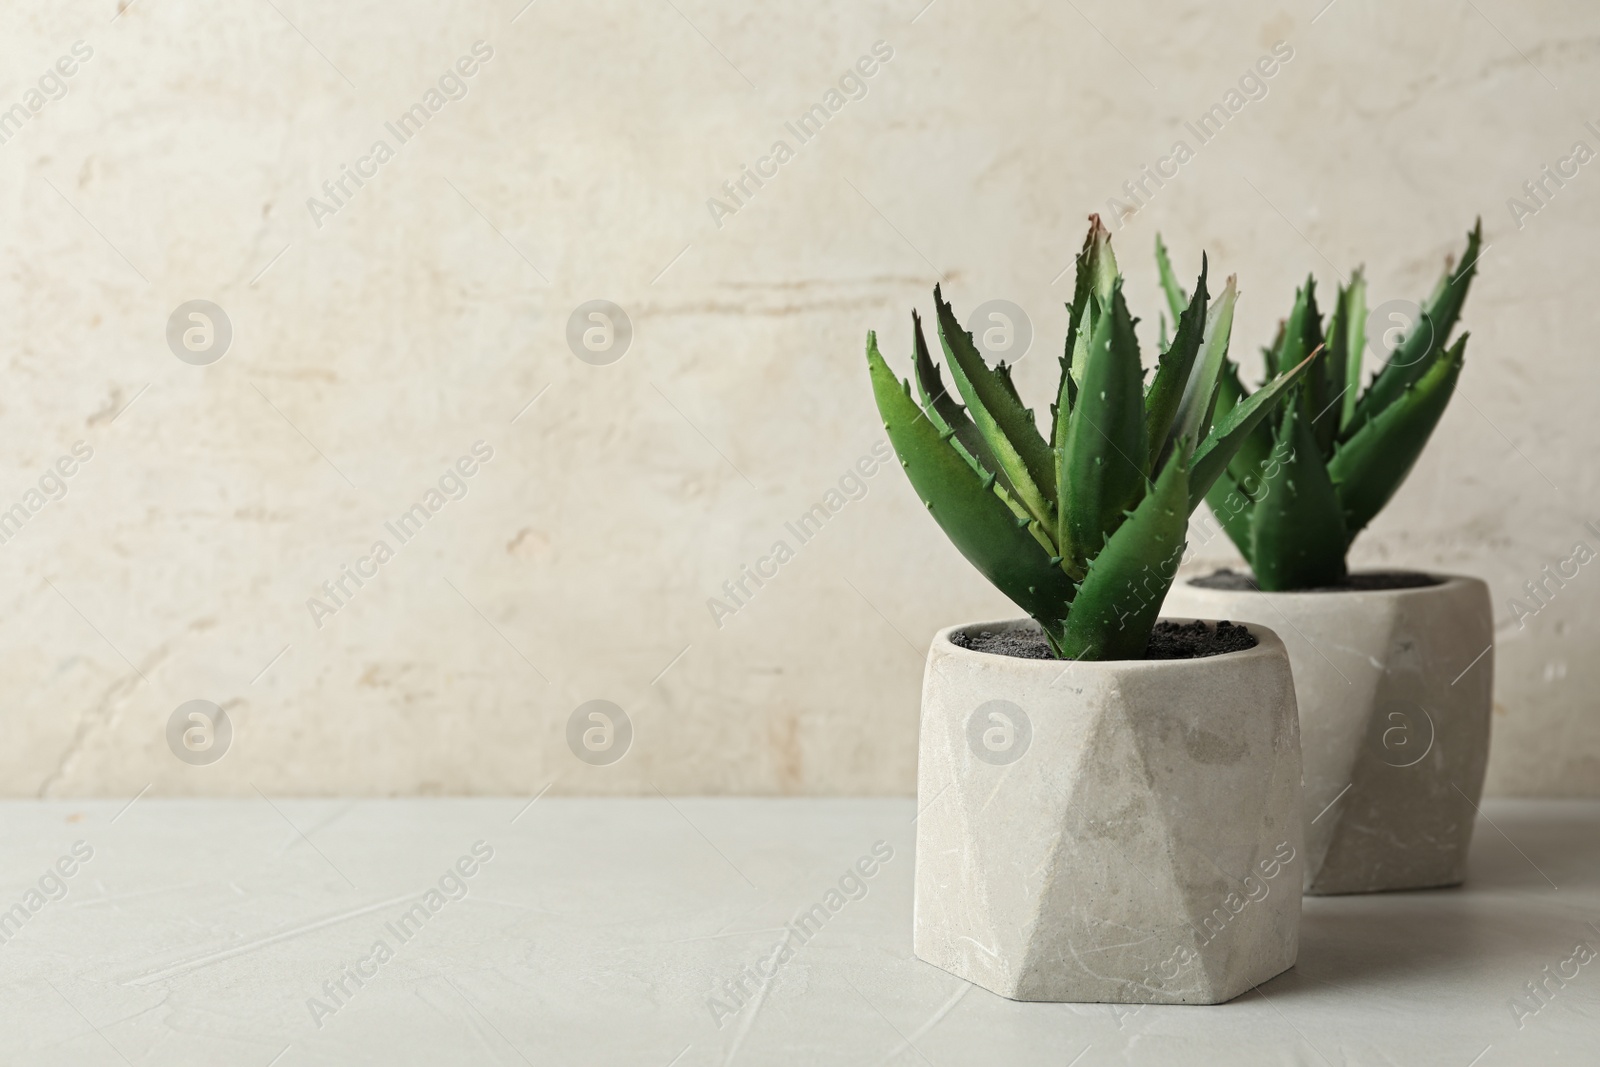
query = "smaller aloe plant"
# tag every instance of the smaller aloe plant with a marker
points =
(1083, 529)
(1300, 488)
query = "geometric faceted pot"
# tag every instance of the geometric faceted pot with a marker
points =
(1112, 832)
(1395, 689)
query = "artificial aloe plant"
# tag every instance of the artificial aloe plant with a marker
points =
(1083, 529)
(1304, 484)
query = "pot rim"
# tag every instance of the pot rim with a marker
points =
(1268, 646)
(1443, 583)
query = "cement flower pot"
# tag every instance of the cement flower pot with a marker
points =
(1118, 832)
(1394, 689)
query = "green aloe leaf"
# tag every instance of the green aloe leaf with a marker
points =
(1079, 310)
(1101, 459)
(1120, 598)
(1333, 360)
(1367, 469)
(1419, 350)
(1326, 420)
(1080, 326)
(1060, 413)
(1269, 354)
(1067, 389)
(1297, 525)
(1196, 409)
(947, 414)
(1302, 335)
(1175, 369)
(1176, 300)
(1097, 274)
(1102, 261)
(1246, 465)
(1354, 309)
(1001, 418)
(1233, 510)
(995, 537)
(1302, 330)
(1230, 433)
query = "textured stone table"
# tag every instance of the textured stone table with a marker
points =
(615, 932)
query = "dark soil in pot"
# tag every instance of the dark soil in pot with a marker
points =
(1370, 582)
(1171, 640)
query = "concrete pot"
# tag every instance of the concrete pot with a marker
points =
(1123, 832)
(1394, 726)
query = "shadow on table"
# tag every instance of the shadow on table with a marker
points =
(1509, 906)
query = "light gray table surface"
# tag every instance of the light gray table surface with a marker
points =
(600, 930)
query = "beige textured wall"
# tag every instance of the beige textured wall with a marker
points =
(371, 351)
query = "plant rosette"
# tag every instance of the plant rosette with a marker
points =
(1394, 672)
(1121, 831)
(1095, 821)
(1395, 694)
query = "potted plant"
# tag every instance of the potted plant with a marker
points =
(1108, 806)
(1393, 670)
